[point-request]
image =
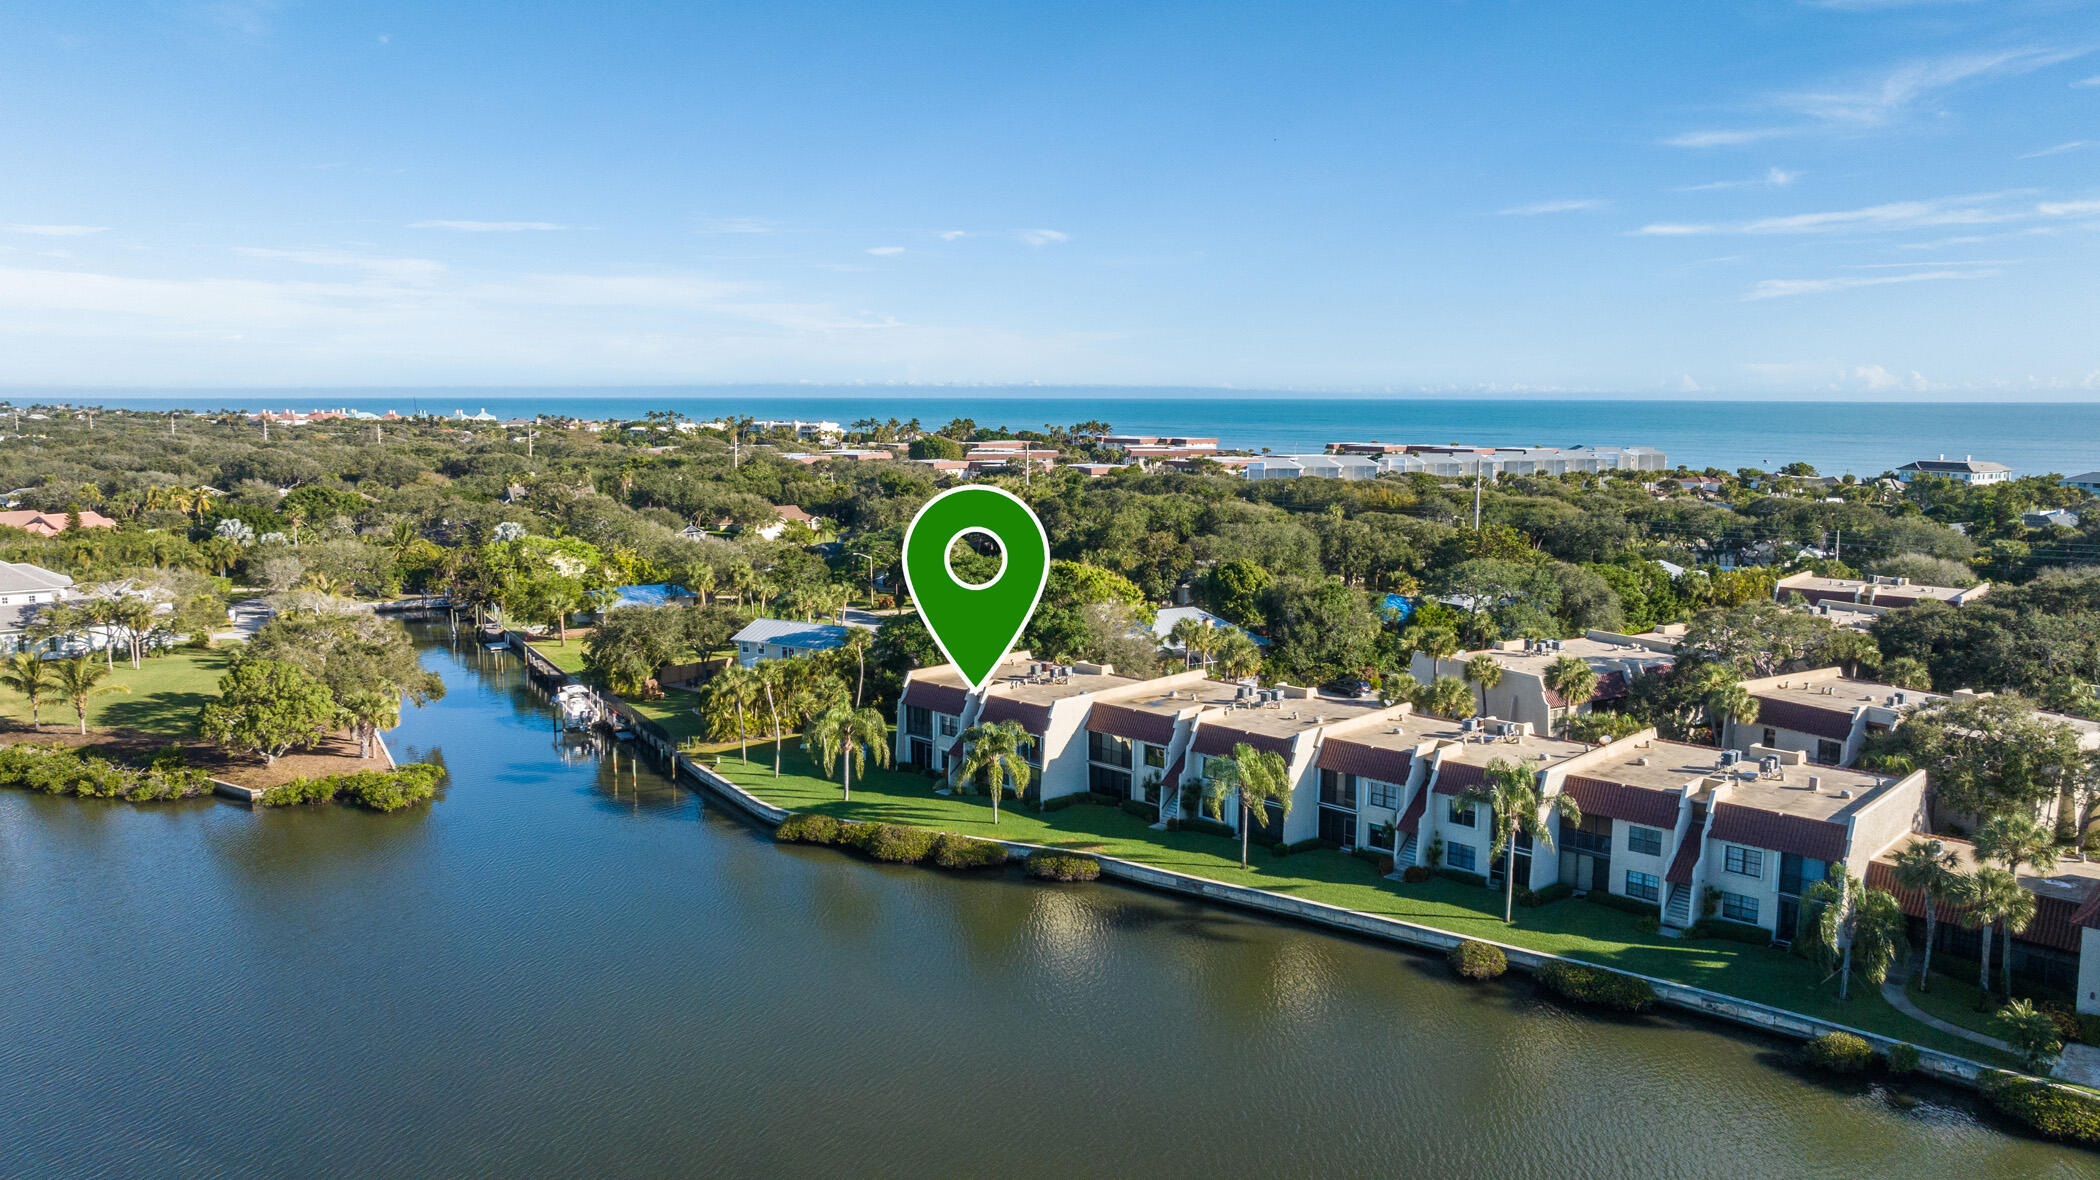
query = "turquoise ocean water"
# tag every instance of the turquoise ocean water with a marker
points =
(1857, 436)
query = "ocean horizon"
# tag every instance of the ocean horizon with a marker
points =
(1861, 437)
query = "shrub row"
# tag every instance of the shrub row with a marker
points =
(1546, 896)
(2055, 1111)
(1301, 846)
(1149, 812)
(1596, 985)
(56, 770)
(1416, 874)
(1062, 866)
(1646, 909)
(1476, 880)
(379, 790)
(1473, 959)
(1722, 928)
(895, 843)
(1064, 801)
(1838, 1052)
(1205, 825)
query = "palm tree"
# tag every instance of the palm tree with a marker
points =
(28, 673)
(1438, 642)
(774, 678)
(997, 750)
(1721, 689)
(2012, 841)
(858, 640)
(1257, 778)
(80, 678)
(1513, 793)
(1484, 671)
(368, 712)
(1234, 655)
(1988, 895)
(853, 733)
(733, 694)
(1929, 869)
(1194, 636)
(1447, 696)
(1573, 680)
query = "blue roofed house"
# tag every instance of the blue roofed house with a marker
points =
(779, 639)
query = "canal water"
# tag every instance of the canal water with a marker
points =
(561, 970)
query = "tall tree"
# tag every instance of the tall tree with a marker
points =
(1511, 791)
(79, 680)
(844, 733)
(997, 753)
(1484, 670)
(29, 674)
(729, 702)
(1932, 871)
(1254, 778)
(268, 707)
(1573, 680)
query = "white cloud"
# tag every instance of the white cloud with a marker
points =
(1973, 239)
(1551, 207)
(885, 251)
(2058, 150)
(56, 231)
(1043, 237)
(950, 235)
(487, 227)
(1894, 216)
(1877, 379)
(2092, 81)
(1881, 99)
(1773, 178)
(1783, 288)
(403, 270)
(1934, 262)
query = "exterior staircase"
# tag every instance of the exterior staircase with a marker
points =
(1410, 851)
(1678, 910)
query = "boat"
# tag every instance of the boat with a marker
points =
(579, 709)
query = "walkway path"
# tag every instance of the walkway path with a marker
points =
(2079, 1063)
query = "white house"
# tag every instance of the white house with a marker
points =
(780, 639)
(1967, 469)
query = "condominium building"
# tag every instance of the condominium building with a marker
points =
(1885, 593)
(1967, 469)
(1522, 694)
(1828, 716)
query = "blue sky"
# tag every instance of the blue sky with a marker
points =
(1871, 197)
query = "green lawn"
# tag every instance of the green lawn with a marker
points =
(1572, 927)
(569, 657)
(166, 692)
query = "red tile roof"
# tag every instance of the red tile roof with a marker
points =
(1139, 725)
(1216, 740)
(1638, 805)
(1781, 713)
(1347, 757)
(1033, 718)
(941, 698)
(1454, 778)
(1758, 828)
(2056, 923)
(1411, 819)
(1687, 858)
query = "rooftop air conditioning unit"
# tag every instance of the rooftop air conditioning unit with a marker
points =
(1640, 761)
(1769, 764)
(1468, 725)
(1728, 758)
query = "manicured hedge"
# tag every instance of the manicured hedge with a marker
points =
(1062, 866)
(1473, 959)
(56, 770)
(808, 827)
(2055, 1111)
(1209, 827)
(379, 790)
(1476, 880)
(1416, 874)
(1731, 931)
(1149, 812)
(1902, 1058)
(1064, 801)
(951, 851)
(1300, 846)
(1646, 909)
(1838, 1052)
(1596, 985)
(898, 844)
(1546, 896)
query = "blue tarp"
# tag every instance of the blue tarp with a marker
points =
(1399, 606)
(657, 595)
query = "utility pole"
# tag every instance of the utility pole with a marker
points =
(1476, 495)
(1838, 552)
(531, 432)
(266, 429)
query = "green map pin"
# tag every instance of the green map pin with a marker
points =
(976, 625)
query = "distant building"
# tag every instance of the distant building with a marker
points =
(817, 431)
(2087, 482)
(25, 590)
(1453, 460)
(1967, 469)
(1878, 591)
(51, 524)
(2049, 518)
(1522, 695)
(780, 639)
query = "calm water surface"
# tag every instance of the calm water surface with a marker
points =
(560, 971)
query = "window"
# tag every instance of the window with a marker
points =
(1379, 794)
(1156, 757)
(1107, 748)
(950, 724)
(1797, 872)
(1828, 752)
(918, 722)
(1737, 908)
(1743, 862)
(1463, 814)
(1460, 856)
(1646, 841)
(1771, 741)
(1106, 780)
(1645, 886)
(1337, 789)
(1032, 749)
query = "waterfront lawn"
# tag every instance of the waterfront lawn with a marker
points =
(166, 693)
(1572, 927)
(568, 658)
